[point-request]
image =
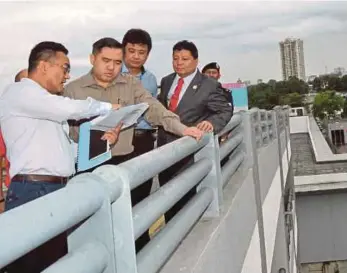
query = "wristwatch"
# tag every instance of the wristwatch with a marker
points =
(2, 200)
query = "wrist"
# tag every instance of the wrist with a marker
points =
(181, 129)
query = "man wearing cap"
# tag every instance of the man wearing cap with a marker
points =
(212, 70)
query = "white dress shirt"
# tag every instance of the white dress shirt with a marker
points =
(35, 130)
(186, 82)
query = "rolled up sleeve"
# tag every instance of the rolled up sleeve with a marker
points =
(157, 114)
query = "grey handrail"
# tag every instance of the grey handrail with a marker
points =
(96, 207)
(146, 212)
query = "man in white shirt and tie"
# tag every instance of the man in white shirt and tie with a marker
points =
(33, 121)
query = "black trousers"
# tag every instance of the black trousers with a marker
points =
(143, 142)
(167, 175)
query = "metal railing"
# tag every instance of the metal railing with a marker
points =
(95, 208)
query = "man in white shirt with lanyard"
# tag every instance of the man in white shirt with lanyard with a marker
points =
(33, 121)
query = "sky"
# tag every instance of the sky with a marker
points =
(242, 36)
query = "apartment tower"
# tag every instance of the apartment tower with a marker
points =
(292, 58)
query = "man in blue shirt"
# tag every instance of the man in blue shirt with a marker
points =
(137, 45)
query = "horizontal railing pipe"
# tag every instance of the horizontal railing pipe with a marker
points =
(90, 258)
(228, 146)
(58, 211)
(99, 203)
(146, 212)
(231, 166)
(254, 110)
(146, 166)
(153, 256)
(234, 122)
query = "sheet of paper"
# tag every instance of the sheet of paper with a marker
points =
(128, 115)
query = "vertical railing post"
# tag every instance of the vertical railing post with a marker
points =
(214, 179)
(256, 123)
(97, 228)
(264, 126)
(287, 130)
(122, 219)
(270, 121)
(278, 121)
(247, 147)
(251, 122)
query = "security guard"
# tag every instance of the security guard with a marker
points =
(212, 70)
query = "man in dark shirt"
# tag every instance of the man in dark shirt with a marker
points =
(212, 70)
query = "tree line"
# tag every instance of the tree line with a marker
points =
(268, 95)
(329, 83)
(327, 103)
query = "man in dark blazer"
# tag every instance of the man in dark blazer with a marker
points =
(197, 100)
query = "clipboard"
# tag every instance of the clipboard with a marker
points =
(92, 151)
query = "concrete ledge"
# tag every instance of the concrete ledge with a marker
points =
(298, 125)
(322, 182)
(321, 149)
(272, 210)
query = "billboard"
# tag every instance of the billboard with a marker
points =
(240, 95)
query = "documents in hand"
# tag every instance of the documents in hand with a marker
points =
(92, 151)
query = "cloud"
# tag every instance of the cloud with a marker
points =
(242, 36)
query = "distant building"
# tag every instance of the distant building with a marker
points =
(339, 71)
(259, 81)
(292, 58)
(297, 112)
(247, 83)
(311, 78)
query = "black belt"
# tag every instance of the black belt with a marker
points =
(40, 178)
(140, 132)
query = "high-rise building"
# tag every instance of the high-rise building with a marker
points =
(292, 57)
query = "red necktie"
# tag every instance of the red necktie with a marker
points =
(176, 95)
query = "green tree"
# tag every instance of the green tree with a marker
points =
(326, 104)
(293, 100)
(317, 84)
(282, 88)
(325, 81)
(268, 95)
(344, 83)
(344, 113)
(272, 84)
(262, 98)
(334, 83)
(297, 86)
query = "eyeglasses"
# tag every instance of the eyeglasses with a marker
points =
(64, 67)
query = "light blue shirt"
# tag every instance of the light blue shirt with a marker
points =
(35, 129)
(187, 80)
(149, 82)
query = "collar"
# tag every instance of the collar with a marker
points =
(32, 82)
(126, 70)
(188, 78)
(88, 79)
